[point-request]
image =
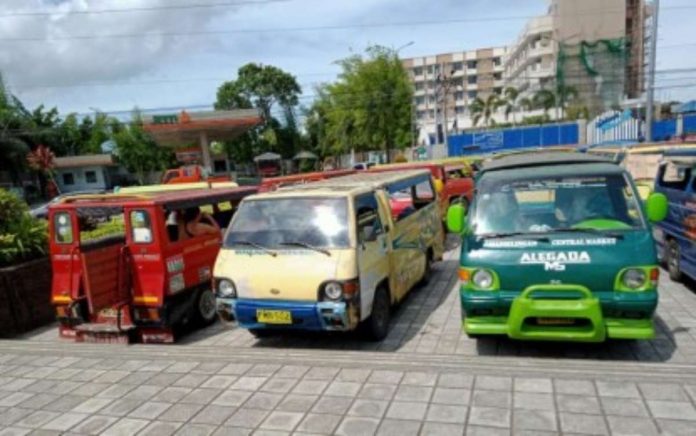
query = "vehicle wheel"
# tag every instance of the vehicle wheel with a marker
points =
(673, 260)
(206, 309)
(378, 322)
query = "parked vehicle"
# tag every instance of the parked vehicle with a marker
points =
(558, 246)
(41, 211)
(329, 255)
(131, 267)
(676, 235)
(190, 174)
(363, 166)
(273, 183)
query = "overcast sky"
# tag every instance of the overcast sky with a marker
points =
(43, 61)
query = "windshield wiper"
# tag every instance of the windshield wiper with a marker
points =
(306, 245)
(535, 235)
(591, 230)
(255, 245)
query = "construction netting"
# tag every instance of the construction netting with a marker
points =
(594, 72)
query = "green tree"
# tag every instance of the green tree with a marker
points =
(484, 109)
(14, 124)
(368, 107)
(544, 99)
(138, 152)
(511, 105)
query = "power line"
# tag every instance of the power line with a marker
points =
(140, 9)
(438, 22)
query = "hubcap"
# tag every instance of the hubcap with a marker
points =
(206, 305)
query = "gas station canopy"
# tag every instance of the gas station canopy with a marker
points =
(186, 128)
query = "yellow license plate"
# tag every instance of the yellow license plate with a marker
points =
(274, 316)
(555, 321)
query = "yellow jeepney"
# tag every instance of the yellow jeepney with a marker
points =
(329, 255)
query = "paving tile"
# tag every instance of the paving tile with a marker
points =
(353, 375)
(313, 387)
(298, 403)
(446, 413)
(143, 392)
(441, 429)
(369, 408)
(214, 415)
(14, 399)
(115, 391)
(160, 428)
(419, 378)
(150, 410)
(201, 396)
(191, 380)
(672, 410)
(233, 431)
(398, 427)
(92, 405)
(195, 430)
(343, 389)
(583, 424)
(232, 398)
(407, 410)
(95, 424)
(321, 373)
(624, 407)
(334, 405)
(36, 419)
(534, 420)
(125, 427)
(14, 431)
(493, 383)
(538, 385)
(617, 389)
(625, 426)
(533, 401)
(180, 412)
(38, 401)
(248, 418)
(574, 387)
(457, 396)
(64, 403)
(171, 395)
(499, 399)
(385, 377)
(455, 380)
(279, 385)
(357, 426)
(662, 391)
(65, 421)
(675, 427)
(578, 404)
(263, 400)
(248, 383)
(121, 407)
(292, 371)
(377, 391)
(319, 423)
(476, 430)
(490, 417)
(282, 421)
(236, 368)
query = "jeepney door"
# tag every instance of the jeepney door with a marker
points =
(372, 258)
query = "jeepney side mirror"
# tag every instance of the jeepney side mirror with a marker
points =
(456, 215)
(439, 186)
(656, 207)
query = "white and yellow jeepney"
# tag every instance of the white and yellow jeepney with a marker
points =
(329, 255)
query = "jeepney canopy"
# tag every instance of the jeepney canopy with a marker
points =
(541, 160)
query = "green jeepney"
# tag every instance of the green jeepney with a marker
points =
(558, 246)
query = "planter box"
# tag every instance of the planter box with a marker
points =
(25, 297)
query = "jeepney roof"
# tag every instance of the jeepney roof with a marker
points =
(172, 199)
(357, 183)
(544, 159)
(574, 169)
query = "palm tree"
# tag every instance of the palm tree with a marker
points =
(511, 94)
(565, 96)
(484, 109)
(544, 99)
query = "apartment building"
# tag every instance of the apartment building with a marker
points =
(531, 63)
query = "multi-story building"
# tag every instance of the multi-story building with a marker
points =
(570, 33)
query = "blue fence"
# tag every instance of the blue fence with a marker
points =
(690, 124)
(513, 138)
(664, 130)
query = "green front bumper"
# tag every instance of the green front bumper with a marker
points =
(558, 302)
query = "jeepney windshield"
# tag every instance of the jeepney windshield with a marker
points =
(544, 205)
(286, 223)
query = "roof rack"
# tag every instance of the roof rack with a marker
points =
(541, 159)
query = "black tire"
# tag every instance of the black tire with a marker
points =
(377, 325)
(673, 260)
(206, 308)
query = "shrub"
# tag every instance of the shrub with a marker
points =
(22, 237)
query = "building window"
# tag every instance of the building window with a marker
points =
(68, 179)
(498, 91)
(418, 86)
(459, 95)
(460, 110)
(430, 69)
(472, 95)
(471, 80)
(471, 65)
(418, 71)
(496, 61)
(457, 66)
(497, 76)
(420, 100)
(90, 176)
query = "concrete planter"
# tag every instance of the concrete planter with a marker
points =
(25, 297)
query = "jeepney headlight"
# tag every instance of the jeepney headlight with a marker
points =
(634, 278)
(333, 291)
(482, 279)
(226, 289)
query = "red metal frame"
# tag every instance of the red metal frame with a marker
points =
(273, 183)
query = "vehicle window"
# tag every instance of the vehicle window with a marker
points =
(675, 176)
(287, 223)
(401, 203)
(455, 174)
(549, 204)
(63, 228)
(96, 226)
(141, 227)
(369, 225)
(424, 194)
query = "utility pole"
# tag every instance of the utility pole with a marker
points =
(444, 85)
(650, 110)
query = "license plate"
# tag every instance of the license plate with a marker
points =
(555, 321)
(274, 316)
